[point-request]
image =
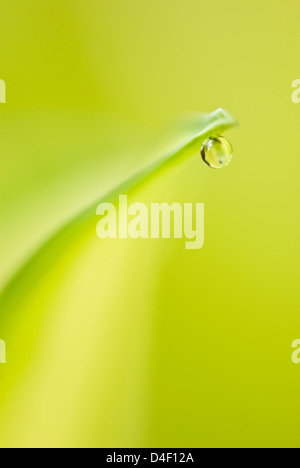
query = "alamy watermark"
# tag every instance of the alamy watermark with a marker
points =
(296, 353)
(2, 92)
(2, 352)
(135, 221)
(296, 93)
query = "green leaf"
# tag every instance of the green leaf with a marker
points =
(205, 124)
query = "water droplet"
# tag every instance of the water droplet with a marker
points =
(216, 152)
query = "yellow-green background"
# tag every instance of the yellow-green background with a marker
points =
(142, 343)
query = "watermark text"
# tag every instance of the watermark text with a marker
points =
(296, 353)
(161, 221)
(2, 92)
(2, 352)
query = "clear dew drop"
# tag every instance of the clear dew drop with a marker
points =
(216, 152)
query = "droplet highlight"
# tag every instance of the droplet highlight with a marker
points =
(216, 152)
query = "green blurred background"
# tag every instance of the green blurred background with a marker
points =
(142, 343)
